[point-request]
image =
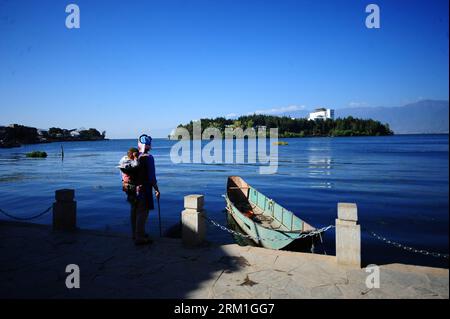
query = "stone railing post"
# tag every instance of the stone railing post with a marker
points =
(348, 235)
(192, 220)
(64, 210)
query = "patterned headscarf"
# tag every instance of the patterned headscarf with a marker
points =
(144, 141)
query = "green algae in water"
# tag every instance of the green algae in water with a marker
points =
(37, 154)
(12, 178)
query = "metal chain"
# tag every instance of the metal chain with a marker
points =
(233, 232)
(324, 229)
(26, 218)
(407, 248)
(304, 235)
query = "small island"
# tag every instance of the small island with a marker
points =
(297, 127)
(16, 135)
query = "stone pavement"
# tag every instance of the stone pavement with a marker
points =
(33, 261)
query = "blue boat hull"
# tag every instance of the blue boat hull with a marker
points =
(265, 222)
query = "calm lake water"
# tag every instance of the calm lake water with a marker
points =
(400, 184)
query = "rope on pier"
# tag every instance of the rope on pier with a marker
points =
(407, 248)
(26, 218)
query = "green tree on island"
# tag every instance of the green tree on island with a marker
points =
(300, 127)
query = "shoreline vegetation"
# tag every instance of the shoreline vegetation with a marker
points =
(16, 135)
(295, 127)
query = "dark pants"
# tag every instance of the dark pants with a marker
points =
(138, 216)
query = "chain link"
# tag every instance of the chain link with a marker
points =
(257, 238)
(407, 248)
(324, 229)
(26, 218)
(233, 232)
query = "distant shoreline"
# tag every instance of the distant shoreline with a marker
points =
(395, 134)
(168, 139)
(16, 135)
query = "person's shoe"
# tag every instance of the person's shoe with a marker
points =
(146, 236)
(144, 241)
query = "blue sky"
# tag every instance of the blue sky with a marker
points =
(147, 66)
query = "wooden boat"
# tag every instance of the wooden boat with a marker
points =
(269, 224)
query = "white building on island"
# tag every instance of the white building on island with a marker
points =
(321, 114)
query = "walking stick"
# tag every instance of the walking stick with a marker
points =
(159, 218)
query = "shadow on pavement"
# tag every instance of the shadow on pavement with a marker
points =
(33, 261)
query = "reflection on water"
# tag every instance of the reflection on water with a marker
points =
(12, 178)
(320, 165)
(400, 184)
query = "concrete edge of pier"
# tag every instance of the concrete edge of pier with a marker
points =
(34, 260)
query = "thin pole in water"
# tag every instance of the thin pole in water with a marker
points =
(62, 153)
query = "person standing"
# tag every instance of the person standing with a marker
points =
(146, 183)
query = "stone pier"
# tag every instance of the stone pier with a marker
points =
(193, 220)
(348, 235)
(34, 260)
(65, 210)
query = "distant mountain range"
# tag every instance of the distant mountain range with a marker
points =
(424, 117)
